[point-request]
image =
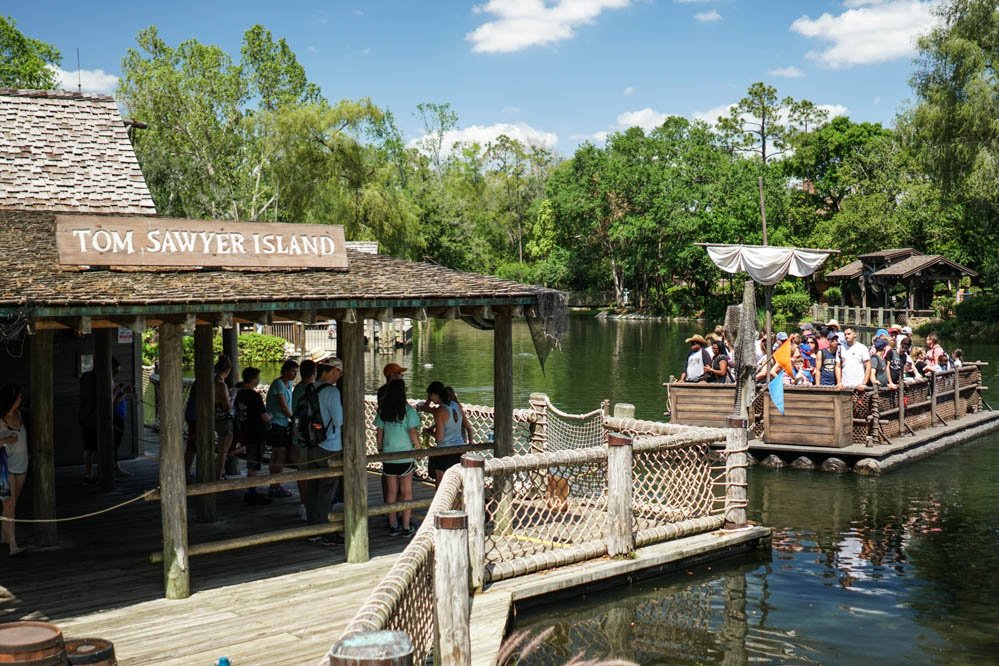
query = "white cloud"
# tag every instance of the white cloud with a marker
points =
(791, 72)
(646, 118)
(630, 90)
(483, 134)
(870, 31)
(520, 24)
(90, 80)
(708, 17)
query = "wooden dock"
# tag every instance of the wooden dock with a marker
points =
(279, 604)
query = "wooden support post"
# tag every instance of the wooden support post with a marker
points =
(624, 410)
(204, 398)
(736, 447)
(503, 382)
(933, 399)
(901, 407)
(173, 503)
(104, 389)
(137, 408)
(42, 435)
(957, 393)
(355, 457)
(451, 600)
(539, 428)
(620, 521)
(230, 347)
(373, 648)
(474, 496)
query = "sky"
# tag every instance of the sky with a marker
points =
(550, 72)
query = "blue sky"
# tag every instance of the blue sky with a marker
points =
(555, 72)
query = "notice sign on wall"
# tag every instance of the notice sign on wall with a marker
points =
(91, 240)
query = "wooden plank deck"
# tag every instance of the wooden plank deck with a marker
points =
(278, 604)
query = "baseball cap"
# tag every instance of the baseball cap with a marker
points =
(881, 331)
(805, 348)
(330, 361)
(880, 344)
(831, 335)
(782, 336)
(393, 369)
(907, 330)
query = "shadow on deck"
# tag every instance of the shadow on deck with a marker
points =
(100, 579)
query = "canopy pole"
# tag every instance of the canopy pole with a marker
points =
(768, 290)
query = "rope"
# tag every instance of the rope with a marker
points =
(83, 516)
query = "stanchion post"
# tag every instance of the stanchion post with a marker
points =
(451, 599)
(624, 410)
(539, 429)
(620, 520)
(373, 648)
(474, 497)
(736, 445)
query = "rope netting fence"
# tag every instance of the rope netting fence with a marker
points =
(548, 509)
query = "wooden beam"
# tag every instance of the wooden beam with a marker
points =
(204, 387)
(176, 572)
(354, 451)
(385, 314)
(135, 324)
(104, 388)
(43, 438)
(49, 325)
(503, 384)
(230, 347)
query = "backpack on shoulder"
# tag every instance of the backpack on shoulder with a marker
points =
(309, 425)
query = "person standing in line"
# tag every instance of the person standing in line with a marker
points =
(828, 362)
(391, 372)
(855, 362)
(307, 377)
(223, 412)
(319, 492)
(253, 420)
(717, 372)
(14, 456)
(279, 401)
(450, 426)
(396, 424)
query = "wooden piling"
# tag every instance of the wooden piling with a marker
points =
(474, 499)
(176, 573)
(503, 382)
(204, 398)
(451, 599)
(230, 347)
(104, 389)
(620, 520)
(355, 457)
(373, 648)
(736, 446)
(539, 428)
(42, 434)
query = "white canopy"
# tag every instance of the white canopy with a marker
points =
(765, 264)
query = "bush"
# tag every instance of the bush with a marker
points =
(983, 308)
(257, 348)
(943, 306)
(833, 295)
(518, 272)
(791, 307)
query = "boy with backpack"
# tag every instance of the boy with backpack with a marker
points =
(318, 424)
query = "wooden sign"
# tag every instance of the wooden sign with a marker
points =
(92, 240)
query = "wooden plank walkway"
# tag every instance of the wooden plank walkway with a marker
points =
(278, 604)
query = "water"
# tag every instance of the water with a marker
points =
(893, 570)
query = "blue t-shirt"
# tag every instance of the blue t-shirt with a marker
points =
(396, 433)
(331, 410)
(277, 388)
(827, 368)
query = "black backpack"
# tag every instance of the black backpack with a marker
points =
(308, 419)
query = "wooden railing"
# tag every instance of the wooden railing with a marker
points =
(849, 315)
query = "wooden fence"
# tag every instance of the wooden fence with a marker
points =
(848, 315)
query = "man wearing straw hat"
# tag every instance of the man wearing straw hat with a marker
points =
(697, 360)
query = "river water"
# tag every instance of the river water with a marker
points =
(902, 569)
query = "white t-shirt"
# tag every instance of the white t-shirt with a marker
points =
(853, 360)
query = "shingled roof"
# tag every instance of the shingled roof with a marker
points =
(63, 151)
(848, 272)
(908, 267)
(33, 278)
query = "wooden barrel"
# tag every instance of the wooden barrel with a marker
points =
(31, 644)
(94, 651)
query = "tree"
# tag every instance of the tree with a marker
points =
(953, 127)
(26, 62)
(761, 124)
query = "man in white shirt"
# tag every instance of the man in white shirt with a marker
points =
(855, 361)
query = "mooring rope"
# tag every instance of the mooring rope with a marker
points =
(82, 516)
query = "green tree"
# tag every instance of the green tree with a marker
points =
(953, 126)
(26, 62)
(762, 124)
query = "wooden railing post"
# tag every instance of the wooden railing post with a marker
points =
(373, 648)
(539, 429)
(957, 393)
(620, 521)
(933, 399)
(624, 410)
(173, 478)
(474, 497)
(901, 407)
(451, 600)
(736, 446)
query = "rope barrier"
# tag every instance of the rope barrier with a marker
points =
(83, 516)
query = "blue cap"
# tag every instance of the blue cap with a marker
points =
(805, 348)
(880, 344)
(881, 331)
(782, 336)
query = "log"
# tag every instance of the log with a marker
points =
(451, 600)
(503, 382)
(354, 450)
(204, 386)
(620, 521)
(42, 435)
(835, 465)
(474, 500)
(176, 572)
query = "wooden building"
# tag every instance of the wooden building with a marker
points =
(871, 277)
(76, 178)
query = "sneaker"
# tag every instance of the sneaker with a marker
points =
(279, 491)
(395, 530)
(315, 538)
(409, 532)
